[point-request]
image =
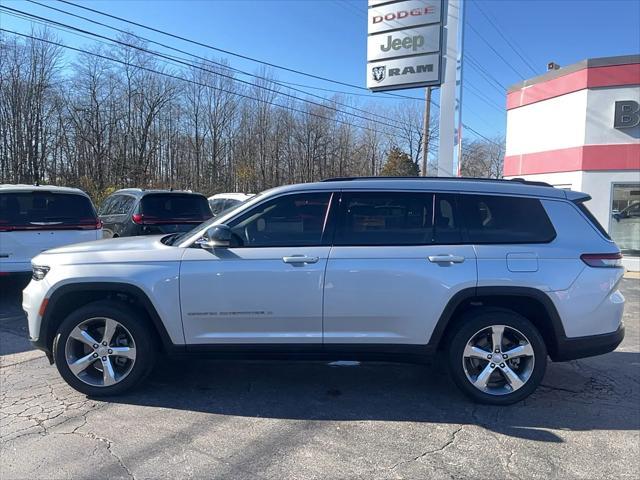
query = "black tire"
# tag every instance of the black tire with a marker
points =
(137, 325)
(477, 320)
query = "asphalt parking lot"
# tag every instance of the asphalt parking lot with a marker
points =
(213, 419)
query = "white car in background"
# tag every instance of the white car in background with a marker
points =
(224, 201)
(36, 218)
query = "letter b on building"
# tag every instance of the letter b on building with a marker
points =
(627, 114)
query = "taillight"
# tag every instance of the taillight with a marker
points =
(137, 218)
(602, 260)
(89, 224)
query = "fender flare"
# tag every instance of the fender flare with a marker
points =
(45, 341)
(469, 294)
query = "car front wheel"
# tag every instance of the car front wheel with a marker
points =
(104, 348)
(497, 357)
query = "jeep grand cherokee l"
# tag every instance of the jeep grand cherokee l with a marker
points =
(492, 277)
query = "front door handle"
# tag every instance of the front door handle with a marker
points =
(300, 259)
(446, 258)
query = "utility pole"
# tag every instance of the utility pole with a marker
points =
(425, 131)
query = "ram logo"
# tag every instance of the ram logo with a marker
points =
(379, 73)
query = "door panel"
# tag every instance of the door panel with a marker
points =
(251, 295)
(391, 294)
(267, 286)
(387, 279)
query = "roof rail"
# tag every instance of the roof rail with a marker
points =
(471, 179)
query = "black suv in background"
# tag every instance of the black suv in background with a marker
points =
(133, 211)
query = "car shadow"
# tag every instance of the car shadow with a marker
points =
(578, 396)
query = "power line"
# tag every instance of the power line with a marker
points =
(507, 63)
(504, 37)
(191, 65)
(206, 60)
(377, 96)
(175, 77)
(227, 52)
(491, 80)
(480, 95)
(481, 135)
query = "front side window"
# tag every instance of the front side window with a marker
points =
(287, 221)
(503, 219)
(386, 218)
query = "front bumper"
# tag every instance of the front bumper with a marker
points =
(590, 346)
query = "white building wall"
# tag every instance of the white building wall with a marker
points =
(548, 125)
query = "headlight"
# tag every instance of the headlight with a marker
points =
(39, 272)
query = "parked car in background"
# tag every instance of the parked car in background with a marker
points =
(491, 277)
(224, 201)
(36, 218)
(135, 211)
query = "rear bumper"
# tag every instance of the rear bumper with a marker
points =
(590, 346)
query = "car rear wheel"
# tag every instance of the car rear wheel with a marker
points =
(497, 357)
(104, 348)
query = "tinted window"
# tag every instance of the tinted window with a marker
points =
(217, 205)
(499, 219)
(175, 206)
(447, 228)
(386, 219)
(119, 205)
(291, 220)
(56, 210)
(107, 206)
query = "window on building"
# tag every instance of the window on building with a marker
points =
(624, 225)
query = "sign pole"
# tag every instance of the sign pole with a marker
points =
(425, 131)
(447, 143)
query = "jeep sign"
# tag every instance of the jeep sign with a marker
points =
(412, 41)
(404, 44)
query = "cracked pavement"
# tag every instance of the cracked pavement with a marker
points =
(216, 419)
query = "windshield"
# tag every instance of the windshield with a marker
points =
(174, 239)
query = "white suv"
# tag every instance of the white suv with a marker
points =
(36, 218)
(490, 276)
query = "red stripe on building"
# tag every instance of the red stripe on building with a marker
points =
(594, 77)
(587, 158)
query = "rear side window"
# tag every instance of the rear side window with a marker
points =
(45, 211)
(501, 219)
(175, 206)
(385, 218)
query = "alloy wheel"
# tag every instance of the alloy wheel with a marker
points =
(498, 360)
(100, 351)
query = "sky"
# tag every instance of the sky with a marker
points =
(328, 38)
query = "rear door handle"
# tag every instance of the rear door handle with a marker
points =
(446, 258)
(300, 259)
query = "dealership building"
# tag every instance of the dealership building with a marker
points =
(578, 127)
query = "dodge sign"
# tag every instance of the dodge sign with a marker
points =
(404, 44)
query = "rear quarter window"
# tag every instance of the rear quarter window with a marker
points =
(504, 219)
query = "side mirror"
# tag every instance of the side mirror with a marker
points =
(218, 236)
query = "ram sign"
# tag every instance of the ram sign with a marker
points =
(404, 44)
